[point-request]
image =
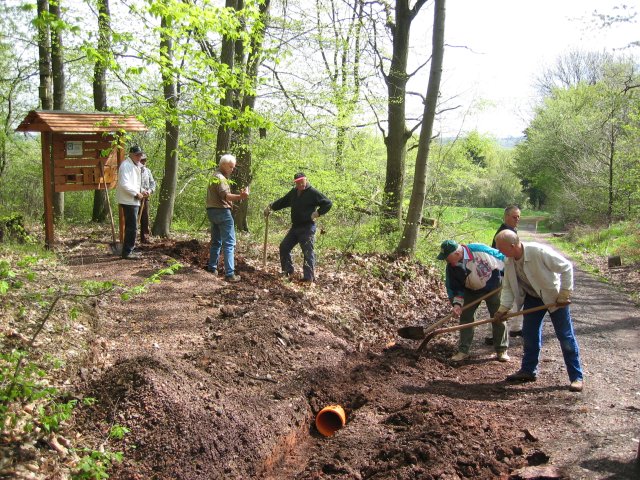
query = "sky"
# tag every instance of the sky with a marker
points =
(500, 47)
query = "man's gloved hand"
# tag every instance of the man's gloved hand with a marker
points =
(314, 215)
(457, 310)
(267, 211)
(564, 297)
(501, 313)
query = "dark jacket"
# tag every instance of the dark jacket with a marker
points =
(303, 205)
(501, 228)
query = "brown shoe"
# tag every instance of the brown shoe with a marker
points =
(522, 376)
(233, 278)
(576, 386)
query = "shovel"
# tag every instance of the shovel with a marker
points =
(264, 247)
(116, 248)
(417, 332)
(440, 331)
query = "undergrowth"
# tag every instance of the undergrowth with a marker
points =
(36, 301)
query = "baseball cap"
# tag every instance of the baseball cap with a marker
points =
(447, 248)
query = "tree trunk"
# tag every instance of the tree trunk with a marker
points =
(164, 215)
(57, 58)
(243, 139)
(397, 136)
(100, 93)
(57, 73)
(227, 56)
(612, 151)
(407, 244)
(44, 57)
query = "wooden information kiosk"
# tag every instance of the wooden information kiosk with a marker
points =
(80, 151)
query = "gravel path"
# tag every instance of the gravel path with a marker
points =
(599, 438)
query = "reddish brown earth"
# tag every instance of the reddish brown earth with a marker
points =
(218, 380)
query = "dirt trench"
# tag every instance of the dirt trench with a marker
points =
(216, 380)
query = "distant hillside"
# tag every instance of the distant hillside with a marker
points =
(506, 142)
(509, 142)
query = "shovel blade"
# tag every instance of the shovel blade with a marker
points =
(412, 333)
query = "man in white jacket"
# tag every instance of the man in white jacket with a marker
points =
(535, 275)
(129, 194)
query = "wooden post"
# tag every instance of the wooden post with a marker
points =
(47, 180)
(120, 211)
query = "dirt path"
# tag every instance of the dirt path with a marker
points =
(601, 427)
(223, 381)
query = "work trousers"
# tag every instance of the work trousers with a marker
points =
(305, 236)
(498, 329)
(130, 228)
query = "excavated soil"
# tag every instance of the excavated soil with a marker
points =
(219, 380)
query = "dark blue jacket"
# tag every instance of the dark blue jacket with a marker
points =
(303, 205)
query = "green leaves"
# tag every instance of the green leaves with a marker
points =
(128, 294)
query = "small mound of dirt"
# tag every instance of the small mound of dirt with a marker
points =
(180, 427)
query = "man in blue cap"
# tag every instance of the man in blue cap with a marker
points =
(474, 270)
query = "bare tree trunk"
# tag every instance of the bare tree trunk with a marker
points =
(612, 150)
(100, 93)
(407, 244)
(57, 71)
(167, 197)
(57, 58)
(398, 135)
(227, 56)
(243, 140)
(44, 57)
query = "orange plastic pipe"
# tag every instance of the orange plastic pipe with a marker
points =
(330, 419)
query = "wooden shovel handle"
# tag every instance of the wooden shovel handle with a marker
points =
(482, 322)
(432, 327)
(106, 189)
(264, 247)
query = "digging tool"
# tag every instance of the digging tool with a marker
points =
(440, 331)
(417, 332)
(116, 248)
(140, 210)
(264, 247)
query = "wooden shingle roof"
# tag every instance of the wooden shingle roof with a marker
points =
(61, 121)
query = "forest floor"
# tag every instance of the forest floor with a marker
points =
(218, 380)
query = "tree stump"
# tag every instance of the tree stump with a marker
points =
(614, 261)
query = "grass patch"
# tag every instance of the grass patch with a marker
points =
(621, 239)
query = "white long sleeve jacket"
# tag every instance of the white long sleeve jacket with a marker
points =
(129, 183)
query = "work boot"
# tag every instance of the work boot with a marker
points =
(502, 356)
(232, 278)
(132, 256)
(576, 386)
(460, 356)
(522, 376)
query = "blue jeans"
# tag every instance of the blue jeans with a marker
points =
(223, 236)
(304, 236)
(532, 338)
(130, 228)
